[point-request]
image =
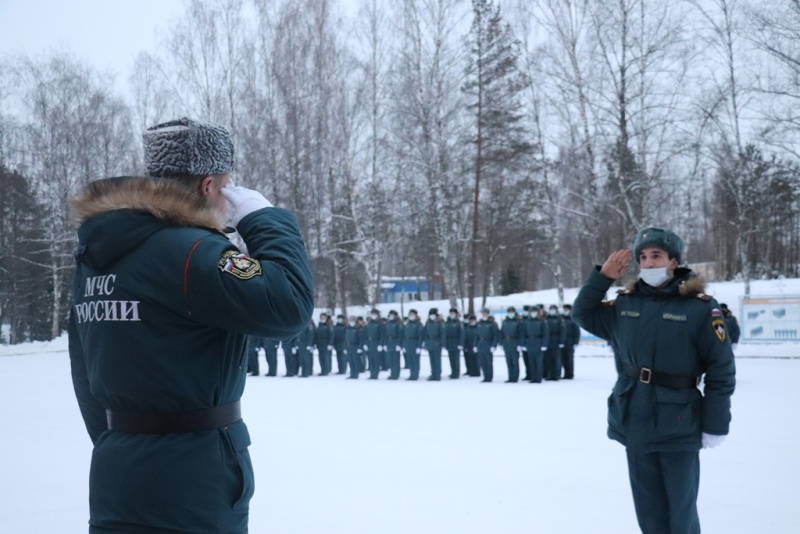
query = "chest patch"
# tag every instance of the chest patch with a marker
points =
(239, 265)
(629, 313)
(719, 328)
(674, 317)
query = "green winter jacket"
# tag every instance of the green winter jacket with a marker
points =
(163, 303)
(676, 330)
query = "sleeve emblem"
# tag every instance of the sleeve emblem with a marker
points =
(239, 265)
(719, 328)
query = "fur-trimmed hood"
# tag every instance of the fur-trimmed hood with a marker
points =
(118, 214)
(164, 199)
(688, 284)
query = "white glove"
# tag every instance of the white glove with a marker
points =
(544, 349)
(330, 347)
(460, 347)
(520, 348)
(397, 348)
(712, 440)
(385, 348)
(294, 350)
(366, 347)
(561, 346)
(310, 349)
(419, 351)
(243, 201)
(380, 348)
(734, 345)
(359, 351)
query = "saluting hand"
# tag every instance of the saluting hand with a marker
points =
(617, 264)
(243, 201)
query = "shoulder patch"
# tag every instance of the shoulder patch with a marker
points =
(719, 328)
(239, 265)
(703, 297)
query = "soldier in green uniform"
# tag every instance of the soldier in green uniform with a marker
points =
(572, 336)
(254, 344)
(323, 341)
(412, 343)
(731, 325)
(512, 332)
(304, 342)
(353, 346)
(454, 342)
(433, 339)
(556, 337)
(471, 346)
(537, 337)
(163, 303)
(666, 335)
(271, 351)
(375, 336)
(394, 342)
(339, 330)
(488, 339)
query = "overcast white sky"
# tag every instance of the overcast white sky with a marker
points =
(106, 33)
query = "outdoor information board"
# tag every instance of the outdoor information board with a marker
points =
(770, 318)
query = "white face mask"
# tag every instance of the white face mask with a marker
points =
(654, 276)
(374, 317)
(432, 317)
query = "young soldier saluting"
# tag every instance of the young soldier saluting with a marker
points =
(163, 304)
(666, 333)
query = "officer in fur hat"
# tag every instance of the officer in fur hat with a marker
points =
(163, 303)
(667, 333)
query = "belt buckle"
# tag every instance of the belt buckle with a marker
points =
(645, 374)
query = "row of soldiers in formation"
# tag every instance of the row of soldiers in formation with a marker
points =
(545, 339)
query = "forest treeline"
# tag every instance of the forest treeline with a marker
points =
(490, 147)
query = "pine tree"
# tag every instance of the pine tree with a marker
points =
(493, 86)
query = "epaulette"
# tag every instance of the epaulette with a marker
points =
(624, 291)
(703, 297)
(608, 303)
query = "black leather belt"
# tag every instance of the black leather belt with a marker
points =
(200, 420)
(648, 376)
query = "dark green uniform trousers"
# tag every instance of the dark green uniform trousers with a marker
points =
(664, 486)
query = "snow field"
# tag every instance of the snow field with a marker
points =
(458, 456)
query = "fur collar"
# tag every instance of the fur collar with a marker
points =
(165, 199)
(690, 285)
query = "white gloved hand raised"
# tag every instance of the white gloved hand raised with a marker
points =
(712, 440)
(243, 201)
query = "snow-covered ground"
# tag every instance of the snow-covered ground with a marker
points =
(343, 456)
